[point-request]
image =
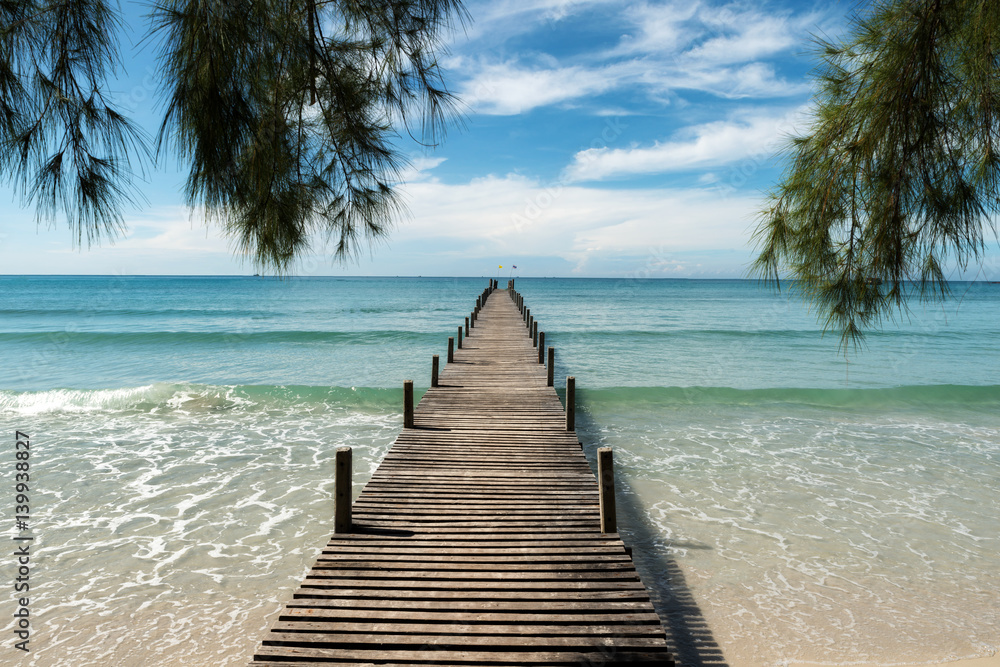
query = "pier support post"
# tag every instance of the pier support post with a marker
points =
(571, 403)
(460, 337)
(407, 403)
(466, 327)
(451, 349)
(342, 490)
(552, 366)
(434, 370)
(534, 332)
(541, 347)
(606, 480)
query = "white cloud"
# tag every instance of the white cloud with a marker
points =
(721, 50)
(745, 36)
(168, 228)
(754, 80)
(509, 89)
(515, 216)
(498, 20)
(420, 167)
(660, 29)
(703, 146)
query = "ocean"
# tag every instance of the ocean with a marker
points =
(785, 500)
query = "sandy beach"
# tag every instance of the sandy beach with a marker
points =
(991, 661)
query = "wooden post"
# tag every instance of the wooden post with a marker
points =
(552, 365)
(466, 327)
(571, 403)
(460, 336)
(534, 333)
(407, 403)
(342, 490)
(451, 349)
(606, 480)
(541, 347)
(434, 370)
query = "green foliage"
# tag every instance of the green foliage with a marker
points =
(898, 176)
(61, 141)
(286, 112)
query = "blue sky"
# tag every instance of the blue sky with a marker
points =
(600, 138)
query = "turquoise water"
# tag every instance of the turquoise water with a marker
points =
(812, 505)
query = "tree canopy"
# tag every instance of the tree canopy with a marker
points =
(896, 179)
(285, 112)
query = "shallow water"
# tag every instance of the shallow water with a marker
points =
(805, 507)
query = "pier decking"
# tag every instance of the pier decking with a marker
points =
(478, 540)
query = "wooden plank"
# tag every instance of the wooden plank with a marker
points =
(328, 638)
(465, 658)
(538, 630)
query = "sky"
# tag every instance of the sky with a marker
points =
(599, 138)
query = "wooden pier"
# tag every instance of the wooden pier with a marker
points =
(478, 541)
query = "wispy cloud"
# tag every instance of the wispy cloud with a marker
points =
(510, 88)
(739, 35)
(726, 51)
(702, 146)
(495, 21)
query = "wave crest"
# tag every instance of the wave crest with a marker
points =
(189, 397)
